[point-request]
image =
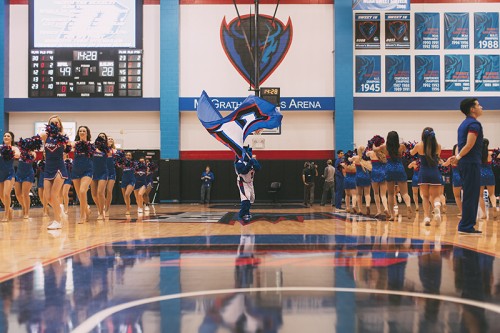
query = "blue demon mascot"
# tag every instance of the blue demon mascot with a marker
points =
(245, 169)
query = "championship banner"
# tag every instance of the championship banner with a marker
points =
(486, 30)
(367, 31)
(397, 74)
(486, 72)
(456, 27)
(427, 31)
(368, 74)
(427, 73)
(381, 4)
(397, 31)
(457, 72)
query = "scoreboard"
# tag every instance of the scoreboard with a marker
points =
(86, 72)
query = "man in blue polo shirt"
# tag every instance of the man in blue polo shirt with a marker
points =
(470, 143)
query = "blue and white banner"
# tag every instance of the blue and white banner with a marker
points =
(427, 73)
(397, 73)
(456, 27)
(486, 30)
(381, 4)
(397, 31)
(253, 114)
(368, 74)
(427, 31)
(457, 72)
(486, 72)
(367, 34)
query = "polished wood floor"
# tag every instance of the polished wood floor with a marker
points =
(27, 243)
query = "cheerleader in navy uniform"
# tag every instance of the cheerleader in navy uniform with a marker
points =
(141, 170)
(415, 165)
(349, 183)
(82, 169)
(429, 177)
(124, 161)
(379, 184)
(487, 179)
(110, 164)
(100, 176)
(55, 170)
(25, 175)
(149, 183)
(67, 184)
(7, 175)
(455, 180)
(395, 172)
(41, 177)
(363, 178)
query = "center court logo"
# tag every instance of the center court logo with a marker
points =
(238, 42)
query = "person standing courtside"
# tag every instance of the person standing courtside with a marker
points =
(339, 180)
(207, 178)
(308, 174)
(470, 143)
(328, 186)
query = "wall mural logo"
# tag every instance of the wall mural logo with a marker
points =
(368, 29)
(398, 29)
(238, 41)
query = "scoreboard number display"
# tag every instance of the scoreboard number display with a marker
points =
(85, 73)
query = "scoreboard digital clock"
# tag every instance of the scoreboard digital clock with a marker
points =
(102, 72)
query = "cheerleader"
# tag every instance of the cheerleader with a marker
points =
(141, 170)
(67, 184)
(110, 165)
(379, 185)
(128, 177)
(55, 170)
(349, 183)
(363, 178)
(415, 165)
(41, 177)
(149, 183)
(25, 176)
(7, 175)
(456, 181)
(395, 171)
(487, 179)
(82, 169)
(100, 175)
(429, 177)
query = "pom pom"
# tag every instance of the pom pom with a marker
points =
(495, 158)
(27, 157)
(61, 139)
(406, 154)
(376, 141)
(121, 161)
(30, 144)
(85, 148)
(102, 144)
(364, 156)
(444, 169)
(52, 129)
(152, 166)
(141, 167)
(7, 153)
(348, 155)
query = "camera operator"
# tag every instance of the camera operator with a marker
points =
(310, 171)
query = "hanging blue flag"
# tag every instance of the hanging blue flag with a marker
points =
(253, 114)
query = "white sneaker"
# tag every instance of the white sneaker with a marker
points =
(139, 210)
(427, 221)
(146, 209)
(54, 225)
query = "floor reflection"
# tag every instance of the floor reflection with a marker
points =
(344, 284)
